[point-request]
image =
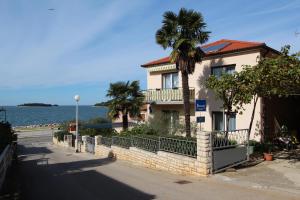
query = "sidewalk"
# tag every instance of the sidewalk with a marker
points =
(280, 174)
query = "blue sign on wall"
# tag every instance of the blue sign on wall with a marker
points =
(200, 119)
(200, 105)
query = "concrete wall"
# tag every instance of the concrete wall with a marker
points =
(197, 79)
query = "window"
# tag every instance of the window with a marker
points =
(218, 121)
(226, 69)
(232, 122)
(170, 81)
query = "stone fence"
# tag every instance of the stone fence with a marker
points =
(161, 160)
(200, 165)
(62, 143)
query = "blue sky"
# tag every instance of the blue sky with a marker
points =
(83, 45)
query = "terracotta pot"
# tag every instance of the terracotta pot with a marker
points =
(268, 156)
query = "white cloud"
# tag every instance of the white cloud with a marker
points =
(38, 47)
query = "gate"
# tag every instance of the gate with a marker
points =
(90, 144)
(229, 149)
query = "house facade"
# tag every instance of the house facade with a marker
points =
(164, 92)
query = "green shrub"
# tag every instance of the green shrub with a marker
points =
(98, 120)
(7, 135)
(65, 125)
(258, 146)
(60, 135)
(160, 123)
(146, 130)
(143, 129)
(106, 132)
(88, 132)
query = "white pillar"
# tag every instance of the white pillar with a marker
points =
(204, 153)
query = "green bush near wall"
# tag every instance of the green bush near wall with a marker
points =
(60, 135)
(7, 135)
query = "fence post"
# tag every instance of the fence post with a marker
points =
(84, 138)
(158, 143)
(98, 139)
(204, 153)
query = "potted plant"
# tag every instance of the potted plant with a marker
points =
(268, 156)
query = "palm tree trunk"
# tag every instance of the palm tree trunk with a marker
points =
(125, 121)
(186, 102)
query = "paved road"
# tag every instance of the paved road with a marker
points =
(50, 172)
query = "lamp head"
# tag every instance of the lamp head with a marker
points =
(77, 97)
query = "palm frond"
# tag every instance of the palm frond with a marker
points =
(183, 33)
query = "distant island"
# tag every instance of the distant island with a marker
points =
(37, 105)
(104, 103)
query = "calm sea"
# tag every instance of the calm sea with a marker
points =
(22, 116)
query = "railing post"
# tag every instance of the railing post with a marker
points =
(159, 143)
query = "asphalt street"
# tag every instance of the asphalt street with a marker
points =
(50, 172)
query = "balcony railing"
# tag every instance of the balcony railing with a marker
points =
(167, 95)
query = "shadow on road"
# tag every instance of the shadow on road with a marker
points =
(43, 179)
(27, 151)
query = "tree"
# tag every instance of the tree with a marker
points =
(183, 33)
(126, 99)
(273, 76)
(232, 90)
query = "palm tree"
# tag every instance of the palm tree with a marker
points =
(126, 98)
(183, 33)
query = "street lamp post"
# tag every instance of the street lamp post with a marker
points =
(77, 98)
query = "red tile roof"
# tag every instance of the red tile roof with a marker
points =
(232, 46)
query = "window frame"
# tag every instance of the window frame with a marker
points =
(163, 80)
(213, 120)
(223, 67)
(224, 118)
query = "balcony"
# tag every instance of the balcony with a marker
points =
(167, 96)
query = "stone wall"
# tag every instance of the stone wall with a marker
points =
(171, 162)
(59, 143)
(161, 160)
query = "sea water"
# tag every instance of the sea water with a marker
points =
(24, 116)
